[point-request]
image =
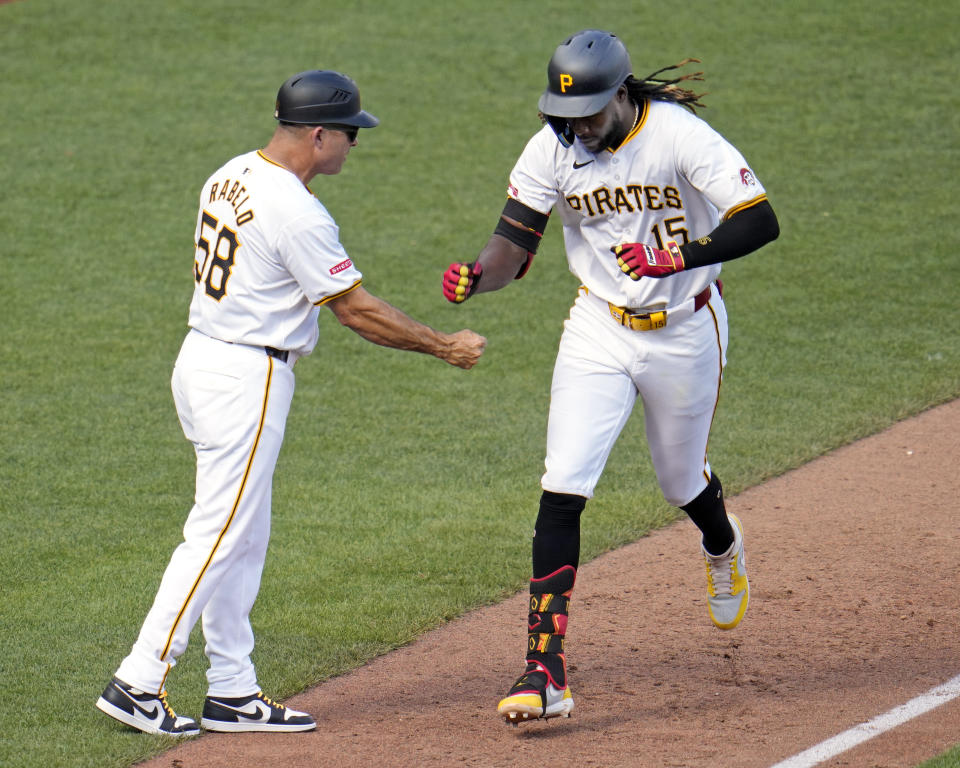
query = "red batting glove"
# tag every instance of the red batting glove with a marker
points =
(638, 260)
(460, 281)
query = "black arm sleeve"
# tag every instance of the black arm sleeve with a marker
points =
(527, 235)
(737, 236)
(532, 222)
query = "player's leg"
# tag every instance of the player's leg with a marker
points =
(680, 389)
(542, 690)
(591, 399)
(728, 590)
(230, 400)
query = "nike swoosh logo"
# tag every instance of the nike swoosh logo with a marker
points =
(253, 710)
(577, 165)
(155, 714)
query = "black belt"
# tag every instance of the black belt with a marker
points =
(279, 354)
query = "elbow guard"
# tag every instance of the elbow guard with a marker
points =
(526, 232)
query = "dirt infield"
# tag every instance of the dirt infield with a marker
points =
(853, 562)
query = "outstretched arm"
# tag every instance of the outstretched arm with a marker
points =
(382, 323)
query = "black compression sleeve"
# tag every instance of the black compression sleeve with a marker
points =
(556, 537)
(739, 235)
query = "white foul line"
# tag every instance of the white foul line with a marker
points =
(866, 731)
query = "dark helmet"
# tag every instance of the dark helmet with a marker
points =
(584, 74)
(321, 96)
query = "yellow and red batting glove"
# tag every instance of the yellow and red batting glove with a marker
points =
(460, 280)
(637, 260)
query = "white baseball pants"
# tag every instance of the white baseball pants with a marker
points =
(232, 401)
(601, 369)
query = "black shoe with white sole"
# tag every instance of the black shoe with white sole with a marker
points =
(147, 712)
(252, 713)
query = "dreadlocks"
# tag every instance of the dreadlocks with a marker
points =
(661, 89)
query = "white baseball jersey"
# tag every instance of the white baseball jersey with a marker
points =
(268, 256)
(674, 178)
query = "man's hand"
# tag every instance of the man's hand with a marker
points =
(382, 323)
(637, 260)
(464, 349)
(460, 281)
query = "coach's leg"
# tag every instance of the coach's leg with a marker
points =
(225, 619)
(226, 615)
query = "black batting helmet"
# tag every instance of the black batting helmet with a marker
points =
(321, 96)
(584, 74)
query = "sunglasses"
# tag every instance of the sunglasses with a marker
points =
(351, 131)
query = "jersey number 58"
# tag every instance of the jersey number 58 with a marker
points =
(213, 267)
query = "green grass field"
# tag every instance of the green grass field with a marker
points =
(406, 490)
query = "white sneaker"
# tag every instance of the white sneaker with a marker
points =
(728, 590)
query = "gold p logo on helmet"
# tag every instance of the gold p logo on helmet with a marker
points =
(565, 82)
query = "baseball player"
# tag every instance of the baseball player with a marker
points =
(651, 201)
(268, 256)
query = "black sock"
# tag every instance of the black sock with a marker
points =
(556, 538)
(710, 515)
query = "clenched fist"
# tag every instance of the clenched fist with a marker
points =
(460, 280)
(637, 260)
(464, 348)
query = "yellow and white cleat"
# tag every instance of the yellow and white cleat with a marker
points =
(535, 697)
(728, 590)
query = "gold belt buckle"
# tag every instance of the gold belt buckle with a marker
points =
(649, 322)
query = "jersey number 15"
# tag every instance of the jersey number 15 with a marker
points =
(212, 266)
